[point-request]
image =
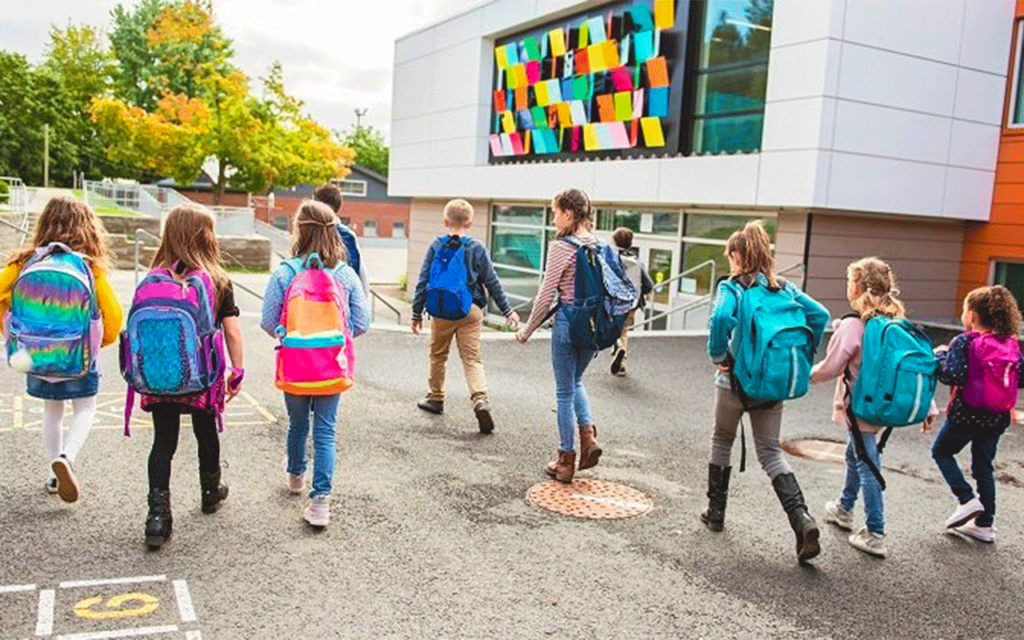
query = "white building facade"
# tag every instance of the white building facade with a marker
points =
(851, 127)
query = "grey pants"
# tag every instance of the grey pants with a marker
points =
(765, 425)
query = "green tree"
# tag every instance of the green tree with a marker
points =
(371, 151)
(136, 61)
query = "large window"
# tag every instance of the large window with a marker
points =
(1016, 115)
(1011, 276)
(731, 75)
(518, 244)
(355, 188)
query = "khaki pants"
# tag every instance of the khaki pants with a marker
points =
(624, 338)
(467, 336)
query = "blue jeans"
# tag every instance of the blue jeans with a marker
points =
(860, 479)
(984, 442)
(325, 412)
(569, 364)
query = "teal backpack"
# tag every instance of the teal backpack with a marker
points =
(772, 347)
(896, 382)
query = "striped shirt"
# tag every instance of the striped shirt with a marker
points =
(559, 276)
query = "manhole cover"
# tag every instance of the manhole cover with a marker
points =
(593, 499)
(817, 449)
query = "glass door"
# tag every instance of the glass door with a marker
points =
(661, 260)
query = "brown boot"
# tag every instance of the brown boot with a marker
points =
(562, 468)
(590, 450)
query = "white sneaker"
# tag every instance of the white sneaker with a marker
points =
(837, 515)
(296, 484)
(981, 534)
(51, 485)
(965, 513)
(318, 511)
(870, 543)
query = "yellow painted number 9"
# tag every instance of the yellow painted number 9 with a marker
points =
(125, 605)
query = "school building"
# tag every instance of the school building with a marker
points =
(850, 127)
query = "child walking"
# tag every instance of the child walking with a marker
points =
(190, 256)
(467, 282)
(330, 194)
(983, 367)
(53, 288)
(573, 219)
(317, 246)
(752, 265)
(637, 273)
(871, 291)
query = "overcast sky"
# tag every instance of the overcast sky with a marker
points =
(337, 54)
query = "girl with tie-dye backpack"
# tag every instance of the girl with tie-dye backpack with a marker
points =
(183, 319)
(58, 309)
(314, 306)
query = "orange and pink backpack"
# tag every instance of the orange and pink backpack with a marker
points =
(314, 353)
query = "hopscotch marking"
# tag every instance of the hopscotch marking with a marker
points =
(120, 633)
(75, 584)
(17, 588)
(44, 621)
(188, 613)
(193, 635)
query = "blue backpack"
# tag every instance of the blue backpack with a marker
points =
(896, 383)
(772, 347)
(603, 297)
(349, 240)
(448, 295)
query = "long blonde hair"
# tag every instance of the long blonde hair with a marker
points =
(189, 237)
(72, 222)
(879, 297)
(753, 249)
(315, 231)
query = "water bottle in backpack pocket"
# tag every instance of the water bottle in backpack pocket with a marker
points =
(898, 374)
(772, 347)
(54, 322)
(448, 294)
(993, 364)
(315, 355)
(171, 346)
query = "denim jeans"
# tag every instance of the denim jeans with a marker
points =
(984, 442)
(860, 478)
(569, 363)
(325, 412)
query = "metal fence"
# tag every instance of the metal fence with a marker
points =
(235, 221)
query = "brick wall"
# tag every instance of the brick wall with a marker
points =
(356, 210)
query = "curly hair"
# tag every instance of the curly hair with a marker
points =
(879, 297)
(72, 222)
(996, 308)
(577, 203)
(753, 249)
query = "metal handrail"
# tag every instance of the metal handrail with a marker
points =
(688, 306)
(799, 265)
(374, 297)
(679, 276)
(14, 226)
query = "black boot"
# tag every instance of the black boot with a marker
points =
(158, 522)
(804, 526)
(718, 493)
(213, 491)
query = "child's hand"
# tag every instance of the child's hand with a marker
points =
(942, 348)
(928, 423)
(521, 336)
(417, 324)
(234, 385)
(512, 320)
(723, 368)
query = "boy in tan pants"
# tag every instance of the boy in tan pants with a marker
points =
(481, 280)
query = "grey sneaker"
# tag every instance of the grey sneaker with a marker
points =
(837, 515)
(431, 406)
(965, 513)
(869, 542)
(318, 511)
(67, 484)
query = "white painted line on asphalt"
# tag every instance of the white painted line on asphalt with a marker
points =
(17, 417)
(193, 635)
(120, 633)
(188, 613)
(74, 584)
(15, 588)
(44, 621)
(256, 405)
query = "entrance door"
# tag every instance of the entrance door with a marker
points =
(662, 261)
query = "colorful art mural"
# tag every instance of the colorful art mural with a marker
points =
(600, 82)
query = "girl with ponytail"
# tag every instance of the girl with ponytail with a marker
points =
(981, 404)
(872, 292)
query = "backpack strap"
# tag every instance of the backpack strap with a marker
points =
(857, 436)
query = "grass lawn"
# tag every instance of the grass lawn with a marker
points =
(105, 206)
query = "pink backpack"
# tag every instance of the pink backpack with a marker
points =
(315, 355)
(992, 372)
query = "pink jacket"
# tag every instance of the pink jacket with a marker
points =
(844, 351)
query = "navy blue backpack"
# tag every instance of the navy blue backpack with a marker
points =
(349, 240)
(448, 294)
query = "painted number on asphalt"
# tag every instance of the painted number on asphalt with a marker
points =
(125, 605)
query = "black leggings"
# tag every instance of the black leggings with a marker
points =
(166, 427)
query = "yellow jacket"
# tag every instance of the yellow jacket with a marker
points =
(110, 306)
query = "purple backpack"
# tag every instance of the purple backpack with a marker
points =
(171, 348)
(992, 372)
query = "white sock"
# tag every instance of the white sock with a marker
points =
(84, 413)
(53, 415)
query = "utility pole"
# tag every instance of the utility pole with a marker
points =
(46, 155)
(359, 117)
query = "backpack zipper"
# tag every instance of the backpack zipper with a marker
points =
(917, 398)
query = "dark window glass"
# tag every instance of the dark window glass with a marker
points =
(1018, 102)
(700, 281)
(519, 215)
(1011, 276)
(514, 247)
(735, 31)
(731, 91)
(719, 227)
(729, 133)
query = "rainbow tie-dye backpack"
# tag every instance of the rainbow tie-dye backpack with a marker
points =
(314, 355)
(54, 318)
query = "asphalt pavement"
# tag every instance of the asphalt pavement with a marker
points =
(432, 537)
